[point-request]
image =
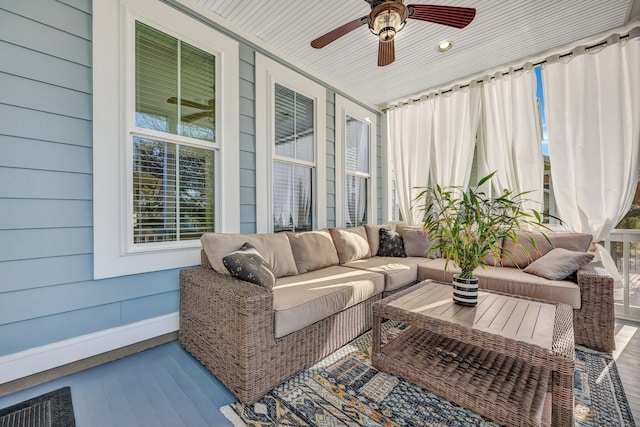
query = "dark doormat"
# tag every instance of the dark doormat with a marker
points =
(53, 409)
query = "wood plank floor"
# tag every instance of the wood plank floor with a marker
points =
(627, 357)
(165, 386)
(162, 386)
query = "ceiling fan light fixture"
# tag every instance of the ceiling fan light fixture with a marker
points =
(387, 34)
(387, 23)
(444, 46)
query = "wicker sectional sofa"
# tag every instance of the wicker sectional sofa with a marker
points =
(253, 338)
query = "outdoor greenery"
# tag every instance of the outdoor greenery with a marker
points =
(465, 225)
(631, 221)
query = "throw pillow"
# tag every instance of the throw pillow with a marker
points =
(558, 264)
(417, 243)
(247, 264)
(391, 244)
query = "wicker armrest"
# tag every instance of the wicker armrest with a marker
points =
(229, 305)
(594, 323)
(225, 323)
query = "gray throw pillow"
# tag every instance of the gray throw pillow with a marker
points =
(247, 264)
(558, 264)
(391, 244)
(417, 243)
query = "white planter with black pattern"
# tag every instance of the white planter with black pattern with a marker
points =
(465, 291)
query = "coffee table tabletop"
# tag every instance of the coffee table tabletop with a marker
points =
(530, 333)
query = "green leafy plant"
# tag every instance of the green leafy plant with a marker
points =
(466, 225)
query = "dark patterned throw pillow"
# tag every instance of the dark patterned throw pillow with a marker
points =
(391, 244)
(247, 264)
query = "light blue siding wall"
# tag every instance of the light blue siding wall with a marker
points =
(247, 140)
(47, 293)
(46, 222)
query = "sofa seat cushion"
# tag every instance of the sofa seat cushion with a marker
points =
(302, 300)
(397, 272)
(508, 280)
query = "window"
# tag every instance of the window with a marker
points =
(173, 178)
(356, 171)
(165, 150)
(293, 161)
(355, 164)
(290, 150)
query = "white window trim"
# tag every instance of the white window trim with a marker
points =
(344, 108)
(112, 256)
(268, 73)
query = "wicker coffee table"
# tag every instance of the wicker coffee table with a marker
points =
(501, 359)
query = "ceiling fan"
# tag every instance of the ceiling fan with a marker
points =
(208, 109)
(387, 17)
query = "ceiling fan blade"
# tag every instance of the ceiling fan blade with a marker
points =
(386, 53)
(335, 34)
(457, 17)
(196, 116)
(187, 103)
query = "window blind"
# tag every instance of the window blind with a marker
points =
(294, 125)
(175, 85)
(172, 191)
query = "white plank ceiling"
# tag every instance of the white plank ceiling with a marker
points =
(502, 32)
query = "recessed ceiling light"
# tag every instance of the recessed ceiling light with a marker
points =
(444, 46)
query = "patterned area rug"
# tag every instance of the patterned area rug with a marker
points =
(345, 390)
(53, 409)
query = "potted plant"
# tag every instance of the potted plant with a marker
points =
(466, 225)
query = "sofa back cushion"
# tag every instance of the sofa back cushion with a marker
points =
(351, 243)
(313, 250)
(373, 236)
(523, 253)
(579, 242)
(494, 257)
(274, 248)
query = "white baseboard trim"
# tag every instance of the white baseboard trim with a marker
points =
(22, 364)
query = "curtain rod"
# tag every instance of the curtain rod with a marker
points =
(544, 61)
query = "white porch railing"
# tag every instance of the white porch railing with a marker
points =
(624, 247)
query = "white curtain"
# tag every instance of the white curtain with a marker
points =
(593, 119)
(455, 125)
(282, 183)
(301, 197)
(409, 133)
(361, 202)
(511, 143)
